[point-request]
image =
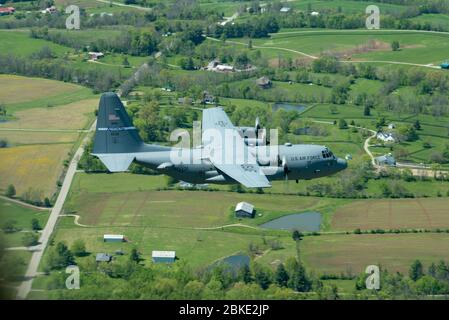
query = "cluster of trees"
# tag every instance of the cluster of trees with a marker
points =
(351, 183)
(29, 238)
(131, 280)
(59, 256)
(419, 282)
(430, 95)
(133, 42)
(57, 20)
(170, 17)
(254, 27)
(35, 197)
(127, 278)
(395, 189)
(188, 10)
(100, 80)
(338, 19)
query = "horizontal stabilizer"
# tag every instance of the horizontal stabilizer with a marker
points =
(116, 162)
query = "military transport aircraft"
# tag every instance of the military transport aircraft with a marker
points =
(226, 155)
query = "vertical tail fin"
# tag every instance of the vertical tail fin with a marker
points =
(115, 131)
(116, 138)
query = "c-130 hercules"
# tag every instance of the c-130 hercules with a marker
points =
(221, 158)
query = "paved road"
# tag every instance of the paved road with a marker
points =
(31, 272)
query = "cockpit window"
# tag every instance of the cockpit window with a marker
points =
(327, 154)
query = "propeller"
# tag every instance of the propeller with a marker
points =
(257, 127)
(283, 163)
(285, 167)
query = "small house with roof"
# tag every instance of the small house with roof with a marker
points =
(244, 210)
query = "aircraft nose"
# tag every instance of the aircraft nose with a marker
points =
(342, 164)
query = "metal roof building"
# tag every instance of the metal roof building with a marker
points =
(113, 238)
(163, 256)
(103, 257)
(244, 209)
(387, 159)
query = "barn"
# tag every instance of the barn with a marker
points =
(113, 238)
(244, 210)
(163, 256)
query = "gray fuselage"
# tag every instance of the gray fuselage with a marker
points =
(292, 162)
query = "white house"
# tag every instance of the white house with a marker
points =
(94, 56)
(314, 13)
(284, 9)
(385, 137)
(50, 10)
(215, 65)
(224, 68)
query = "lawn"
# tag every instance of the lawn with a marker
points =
(22, 216)
(337, 254)
(198, 247)
(189, 209)
(392, 214)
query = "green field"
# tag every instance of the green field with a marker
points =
(20, 43)
(200, 209)
(175, 220)
(337, 254)
(435, 20)
(416, 47)
(22, 216)
(392, 214)
(345, 5)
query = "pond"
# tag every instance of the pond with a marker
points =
(289, 106)
(307, 221)
(236, 262)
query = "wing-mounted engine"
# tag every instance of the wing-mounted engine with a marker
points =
(253, 136)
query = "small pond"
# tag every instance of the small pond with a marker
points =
(235, 262)
(307, 221)
(289, 106)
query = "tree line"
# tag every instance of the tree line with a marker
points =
(99, 80)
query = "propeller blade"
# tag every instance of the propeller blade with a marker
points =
(284, 165)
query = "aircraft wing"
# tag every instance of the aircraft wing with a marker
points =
(226, 149)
